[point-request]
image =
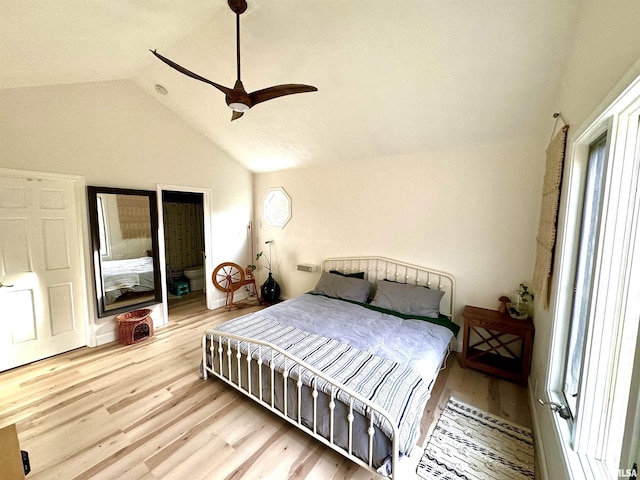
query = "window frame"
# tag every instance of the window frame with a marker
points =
(103, 230)
(588, 447)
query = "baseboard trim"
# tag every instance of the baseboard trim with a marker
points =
(106, 338)
(541, 458)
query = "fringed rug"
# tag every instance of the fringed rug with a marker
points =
(471, 444)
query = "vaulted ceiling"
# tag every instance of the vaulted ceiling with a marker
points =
(394, 77)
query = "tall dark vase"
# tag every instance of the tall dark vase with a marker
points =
(270, 289)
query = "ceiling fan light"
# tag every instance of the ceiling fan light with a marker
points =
(238, 107)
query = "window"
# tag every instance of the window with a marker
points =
(277, 207)
(102, 229)
(597, 309)
(593, 190)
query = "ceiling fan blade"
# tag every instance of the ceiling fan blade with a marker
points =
(235, 115)
(189, 73)
(279, 91)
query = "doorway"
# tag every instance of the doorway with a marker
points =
(184, 243)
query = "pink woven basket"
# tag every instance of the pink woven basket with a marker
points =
(135, 326)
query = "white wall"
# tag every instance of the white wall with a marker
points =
(471, 211)
(116, 135)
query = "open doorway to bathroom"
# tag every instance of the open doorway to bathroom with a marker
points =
(184, 241)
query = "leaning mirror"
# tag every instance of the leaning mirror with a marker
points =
(124, 235)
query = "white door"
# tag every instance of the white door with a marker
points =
(42, 311)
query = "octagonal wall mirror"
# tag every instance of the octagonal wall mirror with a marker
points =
(124, 236)
(277, 207)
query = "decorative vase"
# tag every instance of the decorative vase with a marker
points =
(270, 289)
(521, 306)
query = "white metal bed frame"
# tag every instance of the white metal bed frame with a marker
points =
(230, 366)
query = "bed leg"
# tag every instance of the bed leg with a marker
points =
(203, 371)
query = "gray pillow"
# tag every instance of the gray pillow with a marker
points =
(347, 288)
(409, 299)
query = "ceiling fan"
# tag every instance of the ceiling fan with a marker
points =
(237, 97)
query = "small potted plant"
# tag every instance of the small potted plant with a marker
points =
(521, 303)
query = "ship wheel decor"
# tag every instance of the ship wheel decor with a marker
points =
(229, 277)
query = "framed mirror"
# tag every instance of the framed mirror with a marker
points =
(124, 236)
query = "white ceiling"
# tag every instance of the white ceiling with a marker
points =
(393, 77)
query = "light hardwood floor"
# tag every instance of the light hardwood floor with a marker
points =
(142, 412)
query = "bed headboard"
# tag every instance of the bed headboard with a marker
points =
(380, 268)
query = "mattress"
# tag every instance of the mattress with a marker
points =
(419, 344)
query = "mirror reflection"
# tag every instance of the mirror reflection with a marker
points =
(124, 233)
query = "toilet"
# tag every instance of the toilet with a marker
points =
(195, 276)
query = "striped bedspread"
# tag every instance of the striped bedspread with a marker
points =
(394, 387)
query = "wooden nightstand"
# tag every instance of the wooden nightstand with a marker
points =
(10, 456)
(497, 344)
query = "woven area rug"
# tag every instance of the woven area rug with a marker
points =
(471, 444)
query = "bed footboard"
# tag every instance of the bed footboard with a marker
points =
(305, 397)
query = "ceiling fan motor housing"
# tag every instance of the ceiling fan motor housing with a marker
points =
(237, 6)
(238, 99)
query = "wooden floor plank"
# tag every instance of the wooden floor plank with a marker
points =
(141, 412)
